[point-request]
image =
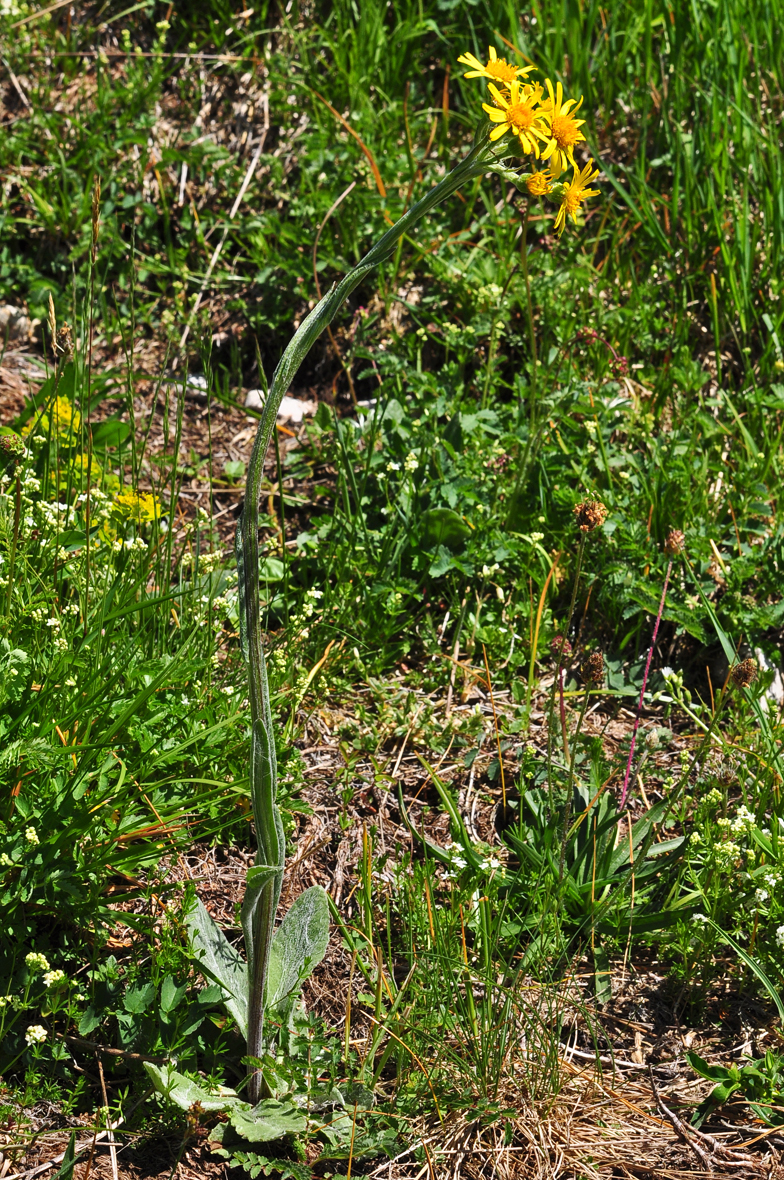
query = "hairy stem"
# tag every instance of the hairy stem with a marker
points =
(269, 832)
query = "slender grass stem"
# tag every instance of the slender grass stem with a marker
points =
(641, 701)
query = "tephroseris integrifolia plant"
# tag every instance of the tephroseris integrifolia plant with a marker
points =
(672, 547)
(539, 124)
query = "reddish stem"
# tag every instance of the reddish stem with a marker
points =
(563, 714)
(644, 684)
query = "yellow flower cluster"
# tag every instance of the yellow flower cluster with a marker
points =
(545, 125)
(139, 506)
(65, 419)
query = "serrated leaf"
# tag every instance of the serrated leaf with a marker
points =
(355, 1094)
(267, 1121)
(299, 944)
(218, 960)
(138, 999)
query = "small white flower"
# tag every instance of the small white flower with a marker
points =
(228, 689)
(36, 1033)
(71, 682)
(53, 623)
(5, 860)
(31, 836)
(52, 978)
(3, 1001)
(780, 936)
(761, 896)
(36, 961)
(412, 462)
(700, 919)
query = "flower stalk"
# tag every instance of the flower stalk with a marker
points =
(673, 545)
(542, 127)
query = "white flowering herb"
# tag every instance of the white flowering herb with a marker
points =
(36, 961)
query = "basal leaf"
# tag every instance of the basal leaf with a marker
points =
(184, 1093)
(269, 1120)
(299, 945)
(218, 960)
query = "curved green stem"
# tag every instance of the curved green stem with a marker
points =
(262, 906)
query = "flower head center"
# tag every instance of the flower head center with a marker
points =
(573, 197)
(520, 116)
(501, 70)
(564, 131)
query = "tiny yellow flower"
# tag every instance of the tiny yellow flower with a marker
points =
(518, 113)
(575, 193)
(65, 416)
(496, 70)
(539, 184)
(137, 506)
(564, 129)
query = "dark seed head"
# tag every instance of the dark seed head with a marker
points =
(744, 673)
(591, 514)
(593, 668)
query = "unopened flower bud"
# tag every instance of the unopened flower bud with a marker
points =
(561, 646)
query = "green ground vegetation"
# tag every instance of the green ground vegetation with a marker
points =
(487, 379)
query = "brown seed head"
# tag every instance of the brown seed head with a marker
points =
(64, 342)
(593, 668)
(591, 514)
(744, 673)
(96, 212)
(561, 646)
(52, 326)
(675, 542)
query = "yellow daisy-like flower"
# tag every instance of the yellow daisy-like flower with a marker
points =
(564, 129)
(496, 70)
(575, 193)
(518, 113)
(539, 184)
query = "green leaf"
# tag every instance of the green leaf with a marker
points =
(442, 526)
(299, 945)
(111, 433)
(269, 1120)
(714, 1073)
(602, 976)
(171, 994)
(90, 1020)
(235, 468)
(218, 960)
(138, 999)
(753, 965)
(355, 1094)
(184, 1093)
(69, 1160)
